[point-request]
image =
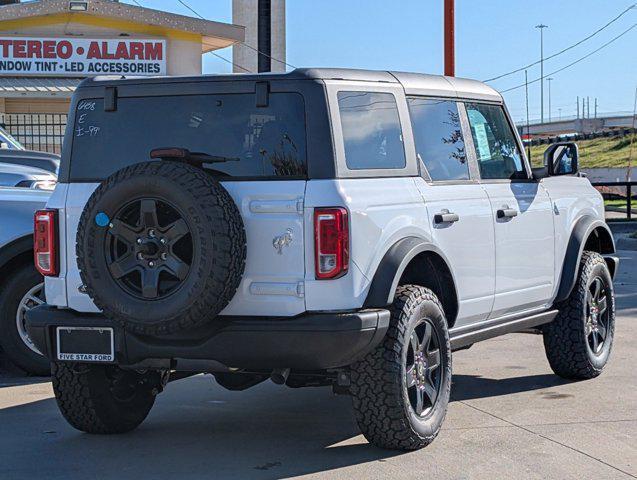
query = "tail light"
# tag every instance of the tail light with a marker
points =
(331, 242)
(45, 248)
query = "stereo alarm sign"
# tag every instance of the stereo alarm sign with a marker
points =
(81, 57)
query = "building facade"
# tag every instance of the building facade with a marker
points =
(48, 47)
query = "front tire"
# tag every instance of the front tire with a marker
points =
(401, 390)
(579, 341)
(22, 290)
(104, 399)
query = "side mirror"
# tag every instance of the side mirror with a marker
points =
(562, 159)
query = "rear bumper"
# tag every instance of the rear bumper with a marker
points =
(313, 341)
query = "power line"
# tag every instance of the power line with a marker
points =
(230, 62)
(191, 9)
(566, 49)
(576, 61)
(242, 43)
(213, 53)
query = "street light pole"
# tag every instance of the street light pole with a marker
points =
(541, 26)
(549, 80)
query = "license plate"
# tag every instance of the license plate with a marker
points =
(85, 344)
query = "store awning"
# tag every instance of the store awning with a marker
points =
(38, 87)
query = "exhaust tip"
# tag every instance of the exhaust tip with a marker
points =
(280, 375)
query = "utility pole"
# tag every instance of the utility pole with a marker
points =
(528, 124)
(450, 53)
(632, 142)
(541, 26)
(588, 107)
(578, 108)
(595, 107)
(549, 80)
(559, 111)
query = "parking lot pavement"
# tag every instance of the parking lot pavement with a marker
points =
(509, 418)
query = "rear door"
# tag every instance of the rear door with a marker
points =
(522, 214)
(265, 173)
(458, 207)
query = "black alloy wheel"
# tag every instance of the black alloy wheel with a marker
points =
(149, 248)
(579, 341)
(597, 314)
(423, 377)
(400, 390)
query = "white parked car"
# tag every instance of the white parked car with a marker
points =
(321, 227)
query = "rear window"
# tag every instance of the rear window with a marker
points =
(257, 141)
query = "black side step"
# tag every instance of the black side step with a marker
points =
(463, 336)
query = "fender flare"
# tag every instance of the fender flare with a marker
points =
(14, 248)
(583, 228)
(391, 268)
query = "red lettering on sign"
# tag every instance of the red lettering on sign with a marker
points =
(48, 49)
(154, 51)
(34, 49)
(19, 48)
(94, 51)
(64, 49)
(137, 51)
(105, 54)
(5, 47)
(122, 51)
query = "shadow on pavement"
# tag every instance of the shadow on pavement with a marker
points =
(198, 430)
(469, 387)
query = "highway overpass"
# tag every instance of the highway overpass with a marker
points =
(577, 125)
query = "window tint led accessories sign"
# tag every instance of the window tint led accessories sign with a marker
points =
(81, 57)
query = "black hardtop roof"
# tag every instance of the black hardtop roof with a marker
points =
(296, 74)
(414, 83)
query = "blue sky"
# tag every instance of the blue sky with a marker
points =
(492, 37)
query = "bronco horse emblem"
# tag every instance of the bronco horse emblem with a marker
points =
(282, 241)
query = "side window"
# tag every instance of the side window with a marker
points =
(496, 148)
(438, 137)
(371, 131)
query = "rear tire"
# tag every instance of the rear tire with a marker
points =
(579, 341)
(104, 399)
(18, 294)
(400, 396)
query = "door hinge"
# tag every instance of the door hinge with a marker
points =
(300, 205)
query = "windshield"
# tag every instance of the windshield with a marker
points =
(257, 141)
(10, 142)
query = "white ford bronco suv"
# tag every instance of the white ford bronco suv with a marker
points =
(319, 227)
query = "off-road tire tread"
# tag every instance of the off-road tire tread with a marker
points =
(375, 380)
(77, 404)
(229, 244)
(565, 341)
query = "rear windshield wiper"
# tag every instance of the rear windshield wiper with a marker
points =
(183, 154)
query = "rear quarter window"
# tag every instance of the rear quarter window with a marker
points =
(372, 134)
(258, 141)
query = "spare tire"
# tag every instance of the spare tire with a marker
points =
(161, 247)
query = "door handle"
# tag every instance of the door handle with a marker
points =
(445, 216)
(506, 212)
